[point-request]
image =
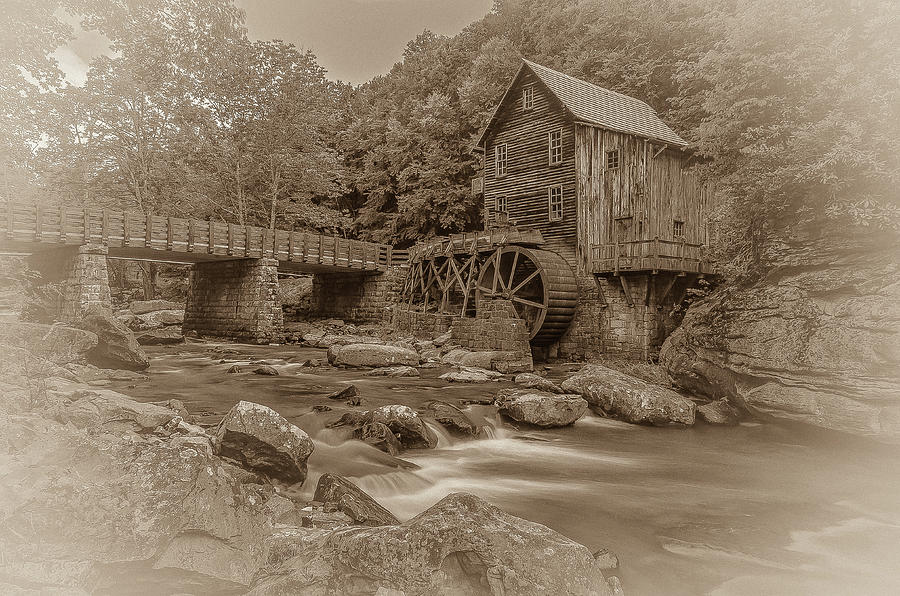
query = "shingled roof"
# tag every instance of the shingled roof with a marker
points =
(601, 107)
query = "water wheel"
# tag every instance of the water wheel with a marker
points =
(540, 285)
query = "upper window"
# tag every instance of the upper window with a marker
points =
(678, 229)
(555, 146)
(500, 160)
(528, 97)
(555, 202)
(500, 205)
(612, 159)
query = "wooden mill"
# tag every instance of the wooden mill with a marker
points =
(582, 186)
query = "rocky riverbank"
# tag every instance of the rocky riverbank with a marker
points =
(101, 492)
(816, 341)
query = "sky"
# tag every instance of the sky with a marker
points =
(353, 40)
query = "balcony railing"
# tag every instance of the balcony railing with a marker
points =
(650, 255)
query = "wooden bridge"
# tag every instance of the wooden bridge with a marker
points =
(28, 228)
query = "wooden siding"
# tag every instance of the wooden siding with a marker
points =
(636, 203)
(529, 173)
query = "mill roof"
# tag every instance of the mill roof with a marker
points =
(595, 105)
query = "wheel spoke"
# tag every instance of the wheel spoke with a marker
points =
(526, 280)
(529, 302)
(512, 271)
(487, 291)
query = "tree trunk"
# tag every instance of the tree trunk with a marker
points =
(150, 275)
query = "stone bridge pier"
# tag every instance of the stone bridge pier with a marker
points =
(235, 299)
(72, 279)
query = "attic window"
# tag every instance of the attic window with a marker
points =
(528, 97)
(612, 159)
(555, 147)
(555, 203)
(678, 230)
(500, 161)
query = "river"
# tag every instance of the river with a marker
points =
(748, 510)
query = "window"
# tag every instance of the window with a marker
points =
(555, 203)
(528, 97)
(612, 159)
(500, 160)
(500, 205)
(555, 147)
(678, 230)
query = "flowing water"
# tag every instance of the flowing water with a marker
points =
(754, 509)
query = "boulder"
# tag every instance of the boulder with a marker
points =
(371, 355)
(541, 409)
(628, 398)
(327, 340)
(471, 375)
(116, 344)
(348, 392)
(813, 341)
(379, 436)
(606, 559)
(353, 501)
(163, 336)
(393, 371)
(461, 545)
(442, 339)
(406, 424)
(112, 411)
(454, 419)
(266, 370)
(719, 412)
(155, 320)
(140, 307)
(56, 343)
(533, 381)
(235, 368)
(263, 441)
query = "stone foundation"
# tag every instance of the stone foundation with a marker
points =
(82, 275)
(415, 322)
(357, 298)
(497, 327)
(235, 299)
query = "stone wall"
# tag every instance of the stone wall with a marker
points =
(496, 327)
(357, 298)
(235, 299)
(411, 321)
(82, 276)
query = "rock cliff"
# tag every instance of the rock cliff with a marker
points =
(816, 340)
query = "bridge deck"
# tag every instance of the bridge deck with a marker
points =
(28, 228)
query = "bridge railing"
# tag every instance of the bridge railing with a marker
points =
(28, 223)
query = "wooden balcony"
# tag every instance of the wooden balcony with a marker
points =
(650, 255)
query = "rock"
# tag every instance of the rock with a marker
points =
(116, 344)
(152, 320)
(348, 392)
(813, 341)
(615, 586)
(164, 336)
(262, 440)
(371, 355)
(266, 370)
(441, 339)
(454, 419)
(406, 424)
(56, 343)
(327, 340)
(352, 501)
(402, 421)
(235, 368)
(321, 408)
(629, 398)
(454, 356)
(533, 381)
(471, 375)
(89, 372)
(719, 412)
(461, 545)
(542, 409)
(379, 436)
(606, 559)
(112, 411)
(393, 371)
(140, 307)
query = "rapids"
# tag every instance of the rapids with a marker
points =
(754, 509)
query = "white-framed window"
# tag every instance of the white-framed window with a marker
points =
(678, 229)
(501, 205)
(555, 146)
(500, 160)
(528, 97)
(555, 202)
(612, 159)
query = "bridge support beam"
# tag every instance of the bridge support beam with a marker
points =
(72, 280)
(236, 300)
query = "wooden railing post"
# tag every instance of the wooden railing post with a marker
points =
(126, 230)
(10, 219)
(211, 237)
(170, 234)
(104, 226)
(248, 241)
(230, 239)
(38, 224)
(62, 225)
(148, 231)
(291, 246)
(190, 238)
(86, 215)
